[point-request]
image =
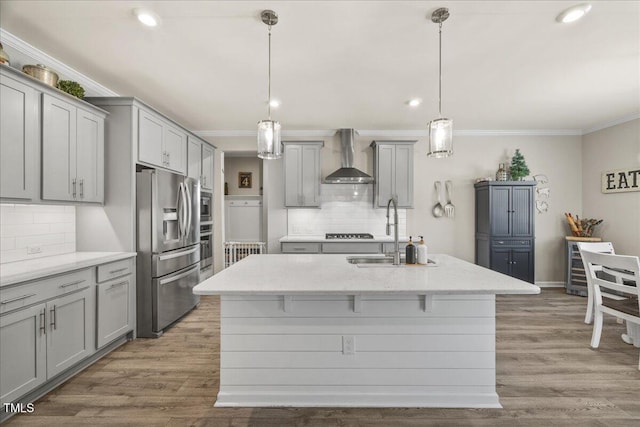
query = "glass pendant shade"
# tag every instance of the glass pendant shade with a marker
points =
(440, 138)
(269, 144)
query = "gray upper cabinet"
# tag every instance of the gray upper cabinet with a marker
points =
(302, 173)
(72, 152)
(200, 162)
(208, 154)
(393, 172)
(194, 158)
(160, 143)
(19, 137)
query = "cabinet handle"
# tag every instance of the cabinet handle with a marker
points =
(299, 249)
(77, 282)
(168, 158)
(43, 328)
(118, 270)
(73, 183)
(7, 301)
(500, 242)
(53, 318)
(82, 188)
(115, 285)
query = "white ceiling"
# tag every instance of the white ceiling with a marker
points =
(507, 65)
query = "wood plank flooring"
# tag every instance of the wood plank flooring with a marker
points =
(546, 375)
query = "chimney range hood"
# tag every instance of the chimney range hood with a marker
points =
(347, 174)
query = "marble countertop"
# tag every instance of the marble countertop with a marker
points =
(22, 271)
(305, 274)
(322, 239)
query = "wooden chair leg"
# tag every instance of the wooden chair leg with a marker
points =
(588, 318)
(597, 329)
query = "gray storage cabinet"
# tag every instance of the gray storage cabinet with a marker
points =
(302, 173)
(393, 172)
(505, 227)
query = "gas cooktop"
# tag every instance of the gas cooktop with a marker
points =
(348, 236)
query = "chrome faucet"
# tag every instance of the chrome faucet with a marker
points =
(396, 247)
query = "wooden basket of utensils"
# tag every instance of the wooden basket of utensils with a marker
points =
(582, 227)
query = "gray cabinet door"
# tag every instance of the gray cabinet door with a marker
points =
(175, 146)
(115, 314)
(150, 136)
(522, 211)
(385, 174)
(208, 153)
(521, 264)
(18, 139)
(501, 260)
(292, 175)
(501, 212)
(58, 149)
(403, 179)
(70, 333)
(310, 175)
(23, 352)
(194, 159)
(90, 157)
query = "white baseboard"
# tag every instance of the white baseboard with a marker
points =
(550, 284)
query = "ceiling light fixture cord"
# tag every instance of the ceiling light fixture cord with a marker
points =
(269, 78)
(440, 71)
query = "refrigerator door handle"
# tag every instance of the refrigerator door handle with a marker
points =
(181, 207)
(188, 201)
(177, 254)
(172, 279)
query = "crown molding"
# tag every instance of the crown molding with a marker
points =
(615, 122)
(395, 133)
(40, 57)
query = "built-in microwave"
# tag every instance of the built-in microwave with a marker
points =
(206, 207)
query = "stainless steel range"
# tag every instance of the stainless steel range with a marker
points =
(348, 236)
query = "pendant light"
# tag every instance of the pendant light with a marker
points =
(269, 144)
(440, 129)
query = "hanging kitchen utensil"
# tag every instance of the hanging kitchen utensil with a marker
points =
(438, 209)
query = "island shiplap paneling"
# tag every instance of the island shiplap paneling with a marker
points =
(398, 344)
(377, 342)
(360, 360)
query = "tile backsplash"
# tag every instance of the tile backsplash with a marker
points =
(345, 208)
(34, 231)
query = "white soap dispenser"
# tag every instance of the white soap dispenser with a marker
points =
(422, 251)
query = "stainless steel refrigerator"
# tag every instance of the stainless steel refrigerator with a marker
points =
(168, 223)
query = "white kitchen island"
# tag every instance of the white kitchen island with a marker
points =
(314, 330)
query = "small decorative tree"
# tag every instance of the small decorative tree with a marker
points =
(519, 168)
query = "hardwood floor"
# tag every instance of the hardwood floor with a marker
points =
(546, 375)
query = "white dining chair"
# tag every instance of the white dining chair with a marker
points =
(601, 247)
(627, 308)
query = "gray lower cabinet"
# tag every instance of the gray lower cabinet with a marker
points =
(19, 136)
(338, 247)
(302, 173)
(40, 341)
(23, 352)
(300, 248)
(114, 301)
(393, 172)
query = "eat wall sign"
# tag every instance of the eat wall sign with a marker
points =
(622, 180)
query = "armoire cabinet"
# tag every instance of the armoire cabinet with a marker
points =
(505, 227)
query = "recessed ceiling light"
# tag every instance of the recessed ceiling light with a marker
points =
(573, 13)
(147, 17)
(414, 102)
(274, 103)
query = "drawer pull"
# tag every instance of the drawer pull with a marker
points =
(299, 249)
(115, 285)
(501, 242)
(118, 270)
(7, 301)
(77, 282)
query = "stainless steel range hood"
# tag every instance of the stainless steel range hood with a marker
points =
(347, 174)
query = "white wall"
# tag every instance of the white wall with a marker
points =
(617, 147)
(233, 165)
(48, 227)
(558, 157)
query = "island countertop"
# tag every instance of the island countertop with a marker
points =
(314, 274)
